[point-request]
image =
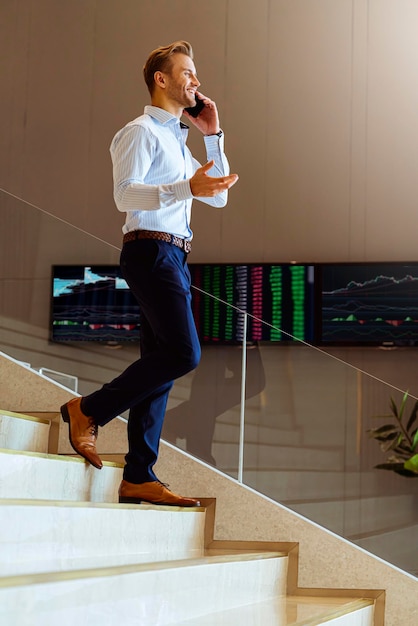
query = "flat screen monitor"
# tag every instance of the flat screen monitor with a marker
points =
(368, 304)
(278, 297)
(92, 303)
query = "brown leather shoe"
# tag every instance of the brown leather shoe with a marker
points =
(82, 432)
(153, 493)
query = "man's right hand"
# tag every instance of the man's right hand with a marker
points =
(204, 186)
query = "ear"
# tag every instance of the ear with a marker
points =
(159, 79)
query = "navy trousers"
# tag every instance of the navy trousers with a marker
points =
(158, 276)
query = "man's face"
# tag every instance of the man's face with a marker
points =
(181, 81)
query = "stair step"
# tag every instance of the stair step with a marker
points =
(151, 594)
(44, 536)
(22, 432)
(294, 611)
(33, 475)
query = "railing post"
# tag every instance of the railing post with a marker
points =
(242, 412)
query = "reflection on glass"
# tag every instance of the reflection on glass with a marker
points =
(214, 398)
(307, 411)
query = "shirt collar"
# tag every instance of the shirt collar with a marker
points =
(162, 116)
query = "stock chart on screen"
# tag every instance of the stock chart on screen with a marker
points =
(372, 303)
(278, 298)
(92, 303)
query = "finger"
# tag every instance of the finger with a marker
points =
(202, 96)
(207, 166)
(232, 179)
(229, 180)
(222, 183)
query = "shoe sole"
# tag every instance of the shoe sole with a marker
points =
(123, 500)
(66, 418)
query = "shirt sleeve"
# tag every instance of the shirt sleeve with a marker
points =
(132, 152)
(215, 150)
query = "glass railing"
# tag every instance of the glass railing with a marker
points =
(296, 430)
(285, 418)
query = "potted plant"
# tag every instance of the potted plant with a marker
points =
(399, 438)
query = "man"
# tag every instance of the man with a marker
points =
(155, 180)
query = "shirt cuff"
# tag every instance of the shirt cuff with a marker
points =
(182, 190)
(214, 142)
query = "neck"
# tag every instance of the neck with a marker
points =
(158, 100)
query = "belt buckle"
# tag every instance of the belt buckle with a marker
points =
(180, 242)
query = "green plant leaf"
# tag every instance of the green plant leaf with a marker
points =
(401, 454)
(385, 436)
(412, 417)
(394, 407)
(387, 439)
(412, 464)
(404, 446)
(398, 439)
(394, 445)
(398, 468)
(390, 466)
(407, 473)
(387, 429)
(403, 405)
(383, 439)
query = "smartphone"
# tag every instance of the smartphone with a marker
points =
(194, 111)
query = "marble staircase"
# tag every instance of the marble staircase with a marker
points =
(71, 554)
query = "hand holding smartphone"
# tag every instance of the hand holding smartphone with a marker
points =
(194, 111)
(204, 114)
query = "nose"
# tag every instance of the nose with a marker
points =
(195, 81)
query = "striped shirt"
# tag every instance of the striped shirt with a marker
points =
(152, 167)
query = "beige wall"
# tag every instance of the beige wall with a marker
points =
(318, 99)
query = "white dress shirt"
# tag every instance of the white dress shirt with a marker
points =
(152, 167)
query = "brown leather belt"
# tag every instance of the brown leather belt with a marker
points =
(133, 235)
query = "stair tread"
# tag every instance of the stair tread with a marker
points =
(59, 536)
(285, 611)
(24, 416)
(56, 457)
(126, 564)
(159, 593)
(97, 505)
